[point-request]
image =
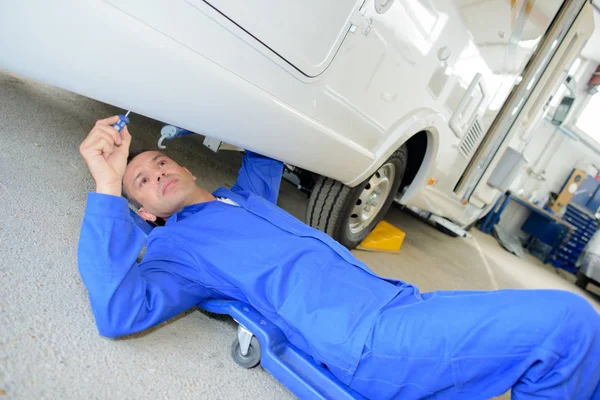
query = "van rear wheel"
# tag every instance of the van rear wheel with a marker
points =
(350, 214)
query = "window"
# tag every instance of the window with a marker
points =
(589, 119)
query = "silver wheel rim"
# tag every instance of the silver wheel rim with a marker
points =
(372, 198)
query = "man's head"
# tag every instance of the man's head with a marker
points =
(158, 186)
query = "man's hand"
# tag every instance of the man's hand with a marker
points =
(105, 152)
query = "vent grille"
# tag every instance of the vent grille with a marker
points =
(471, 140)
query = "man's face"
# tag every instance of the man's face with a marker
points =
(159, 184)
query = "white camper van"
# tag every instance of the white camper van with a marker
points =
(379, 100)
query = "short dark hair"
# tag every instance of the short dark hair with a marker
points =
(132, 154)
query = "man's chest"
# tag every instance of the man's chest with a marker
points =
(226, 242)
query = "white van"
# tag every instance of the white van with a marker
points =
(412, 100)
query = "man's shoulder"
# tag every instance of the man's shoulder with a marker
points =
(159, 242)
(165, 243)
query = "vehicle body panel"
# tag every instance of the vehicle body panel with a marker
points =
(306, 39)
(338, 107)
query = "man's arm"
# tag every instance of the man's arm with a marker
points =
(125, 296)
(260, 175)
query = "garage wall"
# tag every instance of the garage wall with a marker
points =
(553, 152)
(557, 152)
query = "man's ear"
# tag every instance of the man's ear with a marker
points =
(188, 171)
(146, 215)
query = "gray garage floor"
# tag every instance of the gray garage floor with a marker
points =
(49, 347)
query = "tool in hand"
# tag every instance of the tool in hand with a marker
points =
(123, 120)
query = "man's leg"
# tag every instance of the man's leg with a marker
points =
(542, 343)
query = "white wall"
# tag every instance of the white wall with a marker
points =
(557, 150)
(553, 152)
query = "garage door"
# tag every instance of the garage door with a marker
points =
(304, 33)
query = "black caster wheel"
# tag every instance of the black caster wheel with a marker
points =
(251, 359)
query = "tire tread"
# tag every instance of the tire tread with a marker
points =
(328, 202)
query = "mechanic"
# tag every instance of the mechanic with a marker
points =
(380, 336)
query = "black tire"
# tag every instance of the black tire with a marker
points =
(582, 280)
(250, 360)
(331, 203)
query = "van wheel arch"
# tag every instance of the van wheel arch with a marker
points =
(329, 199)
(348, 214)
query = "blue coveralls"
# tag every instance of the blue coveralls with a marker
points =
(380, 336)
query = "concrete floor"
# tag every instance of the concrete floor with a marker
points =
(49, 347)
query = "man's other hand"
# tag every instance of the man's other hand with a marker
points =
(105, 152)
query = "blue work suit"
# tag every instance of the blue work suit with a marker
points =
(379, 336)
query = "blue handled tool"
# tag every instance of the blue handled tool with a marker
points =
(123, 120)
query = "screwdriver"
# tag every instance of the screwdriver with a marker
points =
(123, 120)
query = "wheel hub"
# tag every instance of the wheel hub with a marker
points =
(372, 198)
